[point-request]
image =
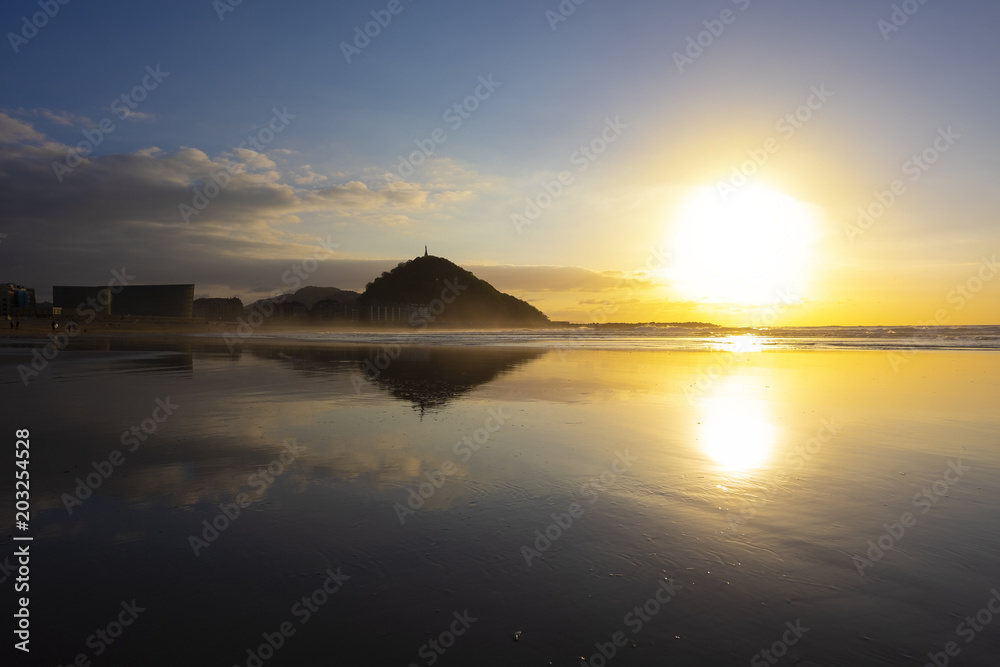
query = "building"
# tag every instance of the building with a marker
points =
(47, 310)
(16, 301)
(128, 300)
(392, 312)
(219, 310)
(291, 310)
(332, 309)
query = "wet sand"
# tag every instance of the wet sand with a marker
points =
(706, 506)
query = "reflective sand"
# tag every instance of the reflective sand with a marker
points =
(745, 487)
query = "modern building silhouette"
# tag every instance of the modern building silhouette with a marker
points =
(128, 300)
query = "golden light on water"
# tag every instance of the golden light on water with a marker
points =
(742, 248)
(736, 430)
(744, 343)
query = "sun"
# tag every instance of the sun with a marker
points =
(747, 249)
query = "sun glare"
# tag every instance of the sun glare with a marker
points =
(744, 249)
(736, 431)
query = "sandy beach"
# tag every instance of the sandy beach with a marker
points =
(556, 497)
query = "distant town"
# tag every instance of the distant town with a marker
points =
(89, 303)
(425, 291)
(419, 292)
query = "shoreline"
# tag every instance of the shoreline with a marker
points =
(159, 334)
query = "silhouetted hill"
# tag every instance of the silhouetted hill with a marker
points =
(310, 295)
(456, 296)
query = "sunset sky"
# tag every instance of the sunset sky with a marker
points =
(640, 227)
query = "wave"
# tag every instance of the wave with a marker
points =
(683, 338)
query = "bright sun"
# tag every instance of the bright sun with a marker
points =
(744, 250)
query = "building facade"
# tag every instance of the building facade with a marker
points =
(16, 301)
(129, 300)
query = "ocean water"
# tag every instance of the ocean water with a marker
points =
(596, 498)
(683, 338)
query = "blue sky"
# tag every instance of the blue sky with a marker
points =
(332, 171)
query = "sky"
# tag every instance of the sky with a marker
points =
(744, 162)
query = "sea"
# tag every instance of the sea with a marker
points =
(687, 338)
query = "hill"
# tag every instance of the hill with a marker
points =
(455, 297)
(310, 295)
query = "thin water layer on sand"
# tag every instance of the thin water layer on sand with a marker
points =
(303, 504)
(662, 337)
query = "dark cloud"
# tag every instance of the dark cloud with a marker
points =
(556, 278)
(74, 221)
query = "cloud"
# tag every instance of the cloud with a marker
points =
(554, 278)
(138, 115)
(305, 175)
(454, 196)
(13, 131)
(63, 118)
(358, 195)
(125, 207)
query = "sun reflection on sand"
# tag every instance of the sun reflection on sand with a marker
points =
(744, 343)
(736, 430)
